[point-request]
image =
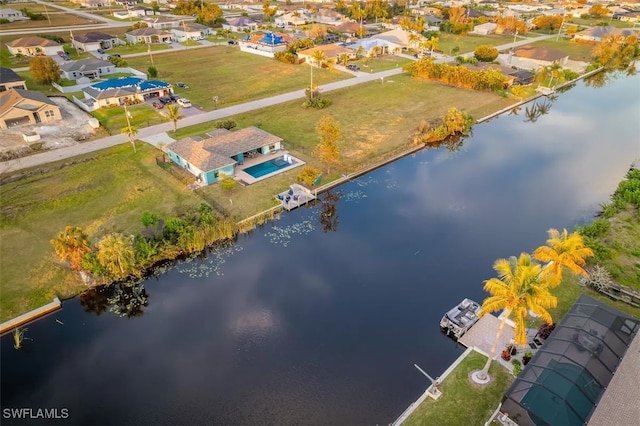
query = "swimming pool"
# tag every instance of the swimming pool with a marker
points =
(267, 167)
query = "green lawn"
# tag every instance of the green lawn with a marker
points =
(107, 192)
(231, 75)
(47, 89)
(463, 402)
(595, 22)
(7, 60)
(381, 63)
(376, 120)
(468, 43)
(114, 120)
(576, 51)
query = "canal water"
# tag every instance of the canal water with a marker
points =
(318, 318)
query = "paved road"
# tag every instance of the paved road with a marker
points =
(72, 151)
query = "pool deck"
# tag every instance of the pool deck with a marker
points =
(483, 333)
(246, 178)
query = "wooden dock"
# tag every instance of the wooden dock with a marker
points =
(296, 196)
(30, 316)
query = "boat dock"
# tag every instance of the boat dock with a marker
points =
(296, 196)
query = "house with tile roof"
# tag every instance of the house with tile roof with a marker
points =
(10, 80)
(94, 40)
(32, 46)
(21, 106)
(119, 91)
(89, 67)
(148, 35)
(212, 158)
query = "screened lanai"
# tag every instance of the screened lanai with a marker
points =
(567, 376)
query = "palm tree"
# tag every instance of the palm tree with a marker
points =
(71, 245)
(520, 287)
(343, 58)
(556, 72)
(173, 112)
(563, 250)
(117, 254)
(319, 57)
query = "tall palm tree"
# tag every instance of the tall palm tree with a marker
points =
(319, 57)
(520, 287)
(173, 112)
(343, 58)
(563, 250)
(71, 245)
(116, 253)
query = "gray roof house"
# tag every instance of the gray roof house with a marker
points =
(89, 67)
(10, 80)
(94, 40)
(148, 35)
(208, 159)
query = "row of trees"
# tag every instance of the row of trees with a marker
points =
(117, 256)
(488, 79)
(206, 13)
(524, 284)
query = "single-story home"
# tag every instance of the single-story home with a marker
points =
(485, 29)
(514, 76)
(10, 80)
(93, 3)
(89, 67)
(191, 31)
(129, 13)
(596, 34)
(94, 40)
(631, 16)
(12, 15)
(349, 28)
(32, 46)
(542, 56)
(265, 44)
(20, 106)
(148, 35)
(370, 45)
(118, 91)
(331, 51)
(289, 19)
(327, 16)
(398, 37)
(211, 159)
(241, 24)
(167, 22)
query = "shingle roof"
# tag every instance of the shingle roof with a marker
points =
(88, 64)
(216, 152)
(92, 37)
(603, 31)
(12, 97)
(147, 31)
(32, 41)
(7, 75)
(241, 21)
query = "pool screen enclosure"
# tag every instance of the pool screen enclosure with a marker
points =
(567, 376)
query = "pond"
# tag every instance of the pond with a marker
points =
(318, 318)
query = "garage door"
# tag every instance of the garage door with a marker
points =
(17, 121)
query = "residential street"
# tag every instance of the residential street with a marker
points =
(85, 147)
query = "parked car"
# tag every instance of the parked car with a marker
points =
(101, 51)
(174, 98)
(158, 105)
(353, 67)
(64, 55)
(184, 102)
(165, 100)
(181, 84)
(232, 42)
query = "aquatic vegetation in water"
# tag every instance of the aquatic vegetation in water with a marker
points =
(365, 181)
(18, 337)
(283, 235)
(390, 181)
(353, 196)
(211, 264)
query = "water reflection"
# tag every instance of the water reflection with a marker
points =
(536, 110)
(123, 299)
(328, 215)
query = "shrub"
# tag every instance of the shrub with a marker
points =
(596, 228)
(152, 72)
(225, 124)
(317, 103)
(150, 219)
(486, 53)
(286, 57)
(308, 175)
(228, 183)
(517, 367)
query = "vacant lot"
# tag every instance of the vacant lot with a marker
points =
(53, 18)
(468, 43)
(576, 51)
(106, 191)
(231, 75)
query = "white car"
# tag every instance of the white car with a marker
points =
(184, 102)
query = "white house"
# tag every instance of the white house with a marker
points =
(94, 40)
(327, 16)
(265, 44)
(12, 15)
(191, 31)
(485, 29)
(289, 19)
(148, 35)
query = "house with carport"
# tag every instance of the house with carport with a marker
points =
(125, 90)
(10, 80)
(94, 40)
(209, 160)
(91, 68)
(19, 107)
(33, 45)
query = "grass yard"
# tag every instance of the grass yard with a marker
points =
(7, 60)
(130, 49)
(468, 43)
(376, 120)
(114, 120)
(576, 51)
(463, 402)
(595, 22)
(231, 75)
(107, 192)
(47, 89)
(381, 63)
(58, 19)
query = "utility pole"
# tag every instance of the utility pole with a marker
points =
(46, 11)
(561, 24)
(129, 131)
(150, 54)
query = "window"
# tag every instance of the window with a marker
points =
(49, 114)
(272, 147)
